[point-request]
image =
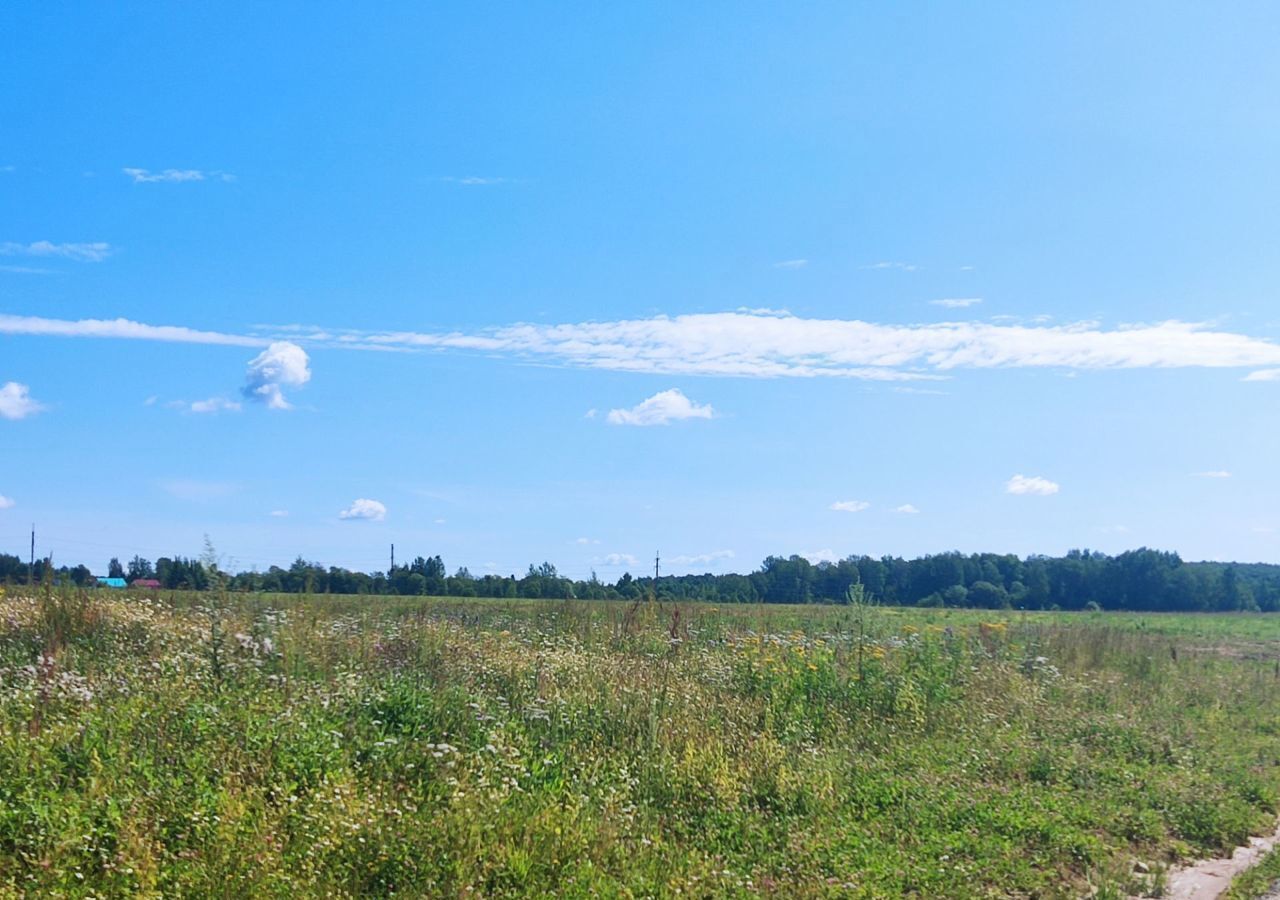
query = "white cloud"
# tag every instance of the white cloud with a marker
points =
(6, 502)
(620, 559)
(371, 510)
(956, 302)
(214, 405)
(760, 346)
(197, 491)
(660, 409)
(585, 540)
(904, 267)
(438, 521)
(282, 364)
(906, 509)
(590, 414)
(826, 554)
(279, 513)
(92, 252)
(701, 559)
(1263, 375)
(123, 329)
(851, 506)
(27, 270)
(752, 345)
(475, 180)
(791, 264)
(1034, 486)
(1215, 473)
(16, 401)
(146, 176)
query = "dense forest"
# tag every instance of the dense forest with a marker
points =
(1135, 580)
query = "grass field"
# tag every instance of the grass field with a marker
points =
(316, 746)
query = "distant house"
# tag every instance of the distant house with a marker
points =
(150, 584)
(111, 582)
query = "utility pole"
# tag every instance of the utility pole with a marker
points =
(393, 560)
(31, 568)
(657, 559)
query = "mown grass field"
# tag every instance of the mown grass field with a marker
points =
(313, 746)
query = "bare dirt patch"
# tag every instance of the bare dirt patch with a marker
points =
(1209, 878)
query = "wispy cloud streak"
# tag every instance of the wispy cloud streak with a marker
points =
(95, 251)
(752, 345)
(146, 176)
(124, 329)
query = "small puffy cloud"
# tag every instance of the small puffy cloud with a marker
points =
(956, 302)
(826, 554)
(849, 505)
(701, 559)
(6, 502)
(620, 559)
(906, 509)
(662, 408)
(791, 264)
(1215, 473)
(91, 252)
(279, 513)
(282, 364)
(370, 510)
(1031, 486)
(214, 405)
(146, 176)
(16, 401)
(1263, 375)
(583, 541)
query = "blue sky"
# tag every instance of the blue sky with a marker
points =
(581, 282)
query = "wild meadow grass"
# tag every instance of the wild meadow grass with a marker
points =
(203, 745)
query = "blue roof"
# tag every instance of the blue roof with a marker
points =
(112, 582)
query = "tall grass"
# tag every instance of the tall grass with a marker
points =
(346, 746)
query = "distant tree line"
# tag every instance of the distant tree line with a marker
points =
(1135, 580)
